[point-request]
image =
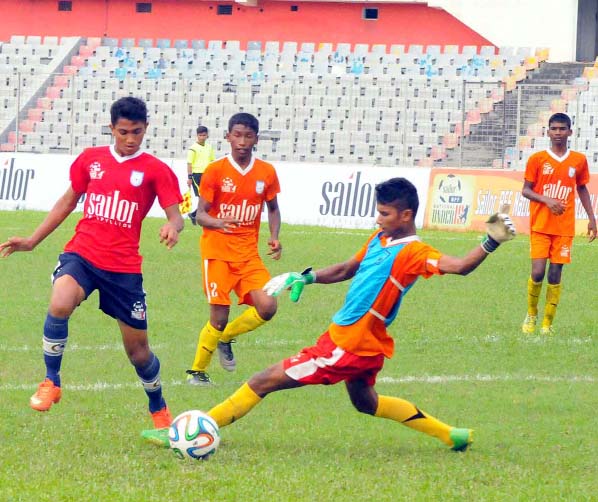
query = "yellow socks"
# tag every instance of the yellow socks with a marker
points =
(533, 296)
(406, 413)
(553, 296)
(206, 345)
(235, 407)
(247, 321)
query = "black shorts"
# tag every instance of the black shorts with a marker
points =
(196, 177)
(121, 295)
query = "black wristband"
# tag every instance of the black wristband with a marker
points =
(489, 244)
(190, 176)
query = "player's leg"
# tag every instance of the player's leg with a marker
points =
(251, 393)
(553, 296)
(218, 281)
(560, 254)
(366, 400)
(67, 294)
(123, 298)
(539, 250)
(207, 342)
(147, 367)
(253, 275)
(195, 180)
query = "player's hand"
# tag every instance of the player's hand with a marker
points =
(189, 182)
(500, 227)
(228, 224)
(556, 206)
(591, 231)
(15, 244)
(169, 235)
(275, 249)
(294, 281)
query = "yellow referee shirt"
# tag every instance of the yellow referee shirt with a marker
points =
(200, 156)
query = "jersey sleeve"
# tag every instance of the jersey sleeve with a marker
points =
(190, 156)
(423, 260)
(167, 188)
(583, 176)
(273, 188)
(207, 187)
(531, 171)
(79, 174)
(212, 156)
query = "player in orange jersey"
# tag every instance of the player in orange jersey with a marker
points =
(551, 177)
(353, 348)
(232, 192)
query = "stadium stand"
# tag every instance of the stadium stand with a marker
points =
(316, 102)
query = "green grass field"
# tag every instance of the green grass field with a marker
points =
(459, 356)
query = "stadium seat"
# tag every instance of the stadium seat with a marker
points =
(163, 43)
(145, 43)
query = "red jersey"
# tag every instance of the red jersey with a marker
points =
(236, 193)
(119, 192)
(556, 177)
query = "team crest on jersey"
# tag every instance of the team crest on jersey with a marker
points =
(259, 187)
(95, 171)
(136, 178)
(228, 185)
(571, 172)
(138, 311)
(547, 168)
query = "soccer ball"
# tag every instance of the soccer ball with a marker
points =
(194, 435)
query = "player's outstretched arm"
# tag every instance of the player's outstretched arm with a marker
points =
(63, 207)
(169, 233)
(295, 281)
(500, 229)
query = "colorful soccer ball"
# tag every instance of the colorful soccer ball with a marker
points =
(194, 435)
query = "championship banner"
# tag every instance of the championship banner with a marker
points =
(464, 199)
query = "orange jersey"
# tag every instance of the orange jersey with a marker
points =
(557, 178)
(387, 270)
(236, 193)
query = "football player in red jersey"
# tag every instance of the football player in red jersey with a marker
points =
(120, 183)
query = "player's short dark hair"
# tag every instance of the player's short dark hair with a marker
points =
(398, 192)
(202, 129)
(562, 118)
(129, 108)
(244, 119)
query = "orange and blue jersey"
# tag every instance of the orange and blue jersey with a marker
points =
(387, 271)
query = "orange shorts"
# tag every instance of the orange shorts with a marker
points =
(557, 248)
(222, 277)
(325, 363)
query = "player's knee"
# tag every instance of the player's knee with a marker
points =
(138, 355)
(266, 310)
(364, 407)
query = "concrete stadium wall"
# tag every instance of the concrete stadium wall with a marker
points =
(271, 20)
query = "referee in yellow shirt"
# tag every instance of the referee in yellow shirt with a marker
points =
(198, 158)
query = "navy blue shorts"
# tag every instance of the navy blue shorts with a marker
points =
(121, 295)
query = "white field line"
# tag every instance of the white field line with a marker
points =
(73, 347)
(296, 344)
(427, 379)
